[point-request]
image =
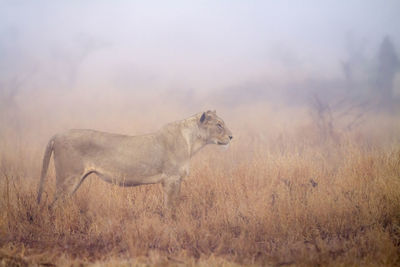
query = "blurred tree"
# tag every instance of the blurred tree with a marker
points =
(388, 65)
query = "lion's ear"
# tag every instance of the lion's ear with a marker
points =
(203, 117)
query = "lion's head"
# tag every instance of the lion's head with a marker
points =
(214, 129)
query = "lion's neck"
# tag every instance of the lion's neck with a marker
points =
(191, 134)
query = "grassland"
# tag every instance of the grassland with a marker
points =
(290, 198)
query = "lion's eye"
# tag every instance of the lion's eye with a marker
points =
(219, 125)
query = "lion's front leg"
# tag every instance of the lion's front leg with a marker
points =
(172, 188)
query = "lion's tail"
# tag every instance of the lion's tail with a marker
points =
(45, 166)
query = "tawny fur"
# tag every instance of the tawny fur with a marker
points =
(160, 157)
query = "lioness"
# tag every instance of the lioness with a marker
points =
(160, 157)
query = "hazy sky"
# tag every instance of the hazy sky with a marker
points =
(198, 45)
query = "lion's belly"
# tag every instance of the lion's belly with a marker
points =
(125, 171)
(123, 180)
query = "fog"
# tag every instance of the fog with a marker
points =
(85, 59)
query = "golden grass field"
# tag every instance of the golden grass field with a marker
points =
(278, 196)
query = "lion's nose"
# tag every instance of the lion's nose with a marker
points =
(230, 137)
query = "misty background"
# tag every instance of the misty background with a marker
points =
(73, 61)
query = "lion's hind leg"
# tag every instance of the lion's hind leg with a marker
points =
(66, 187)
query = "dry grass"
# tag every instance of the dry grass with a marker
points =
(290, 199)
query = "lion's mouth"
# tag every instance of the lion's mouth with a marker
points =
(222, 143)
